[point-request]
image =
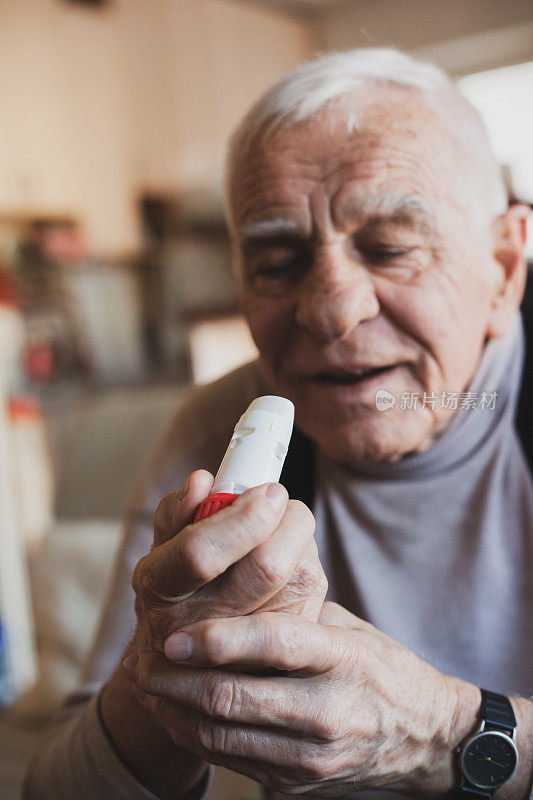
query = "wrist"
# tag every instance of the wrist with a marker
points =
(463, 720)
(452, 714)
(144, 746)
(466, 713)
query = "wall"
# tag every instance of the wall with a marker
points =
(461, 35)
(97, 105)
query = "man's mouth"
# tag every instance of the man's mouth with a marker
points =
(349, 378)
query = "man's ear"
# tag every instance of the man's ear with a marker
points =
(509, 236)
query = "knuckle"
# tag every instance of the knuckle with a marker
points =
(269, 629)
(286, 645)
(287, 650)
(212, 642)
(328, 727)
(256, 516)
(269, 570)
(212, 736)
(195, 562)
(220, 698)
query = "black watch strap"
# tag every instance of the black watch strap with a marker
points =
(497, 711)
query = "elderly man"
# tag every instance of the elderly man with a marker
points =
(377, 259)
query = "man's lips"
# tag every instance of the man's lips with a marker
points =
(349, 377)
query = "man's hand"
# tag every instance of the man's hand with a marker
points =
(258, 553)
(352, 708)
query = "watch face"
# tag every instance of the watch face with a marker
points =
(489, 759)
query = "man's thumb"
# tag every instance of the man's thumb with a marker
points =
(178, 508)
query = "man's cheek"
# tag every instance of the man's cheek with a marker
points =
(269, 326)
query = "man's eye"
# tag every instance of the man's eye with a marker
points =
(276, 270)
(276, 276)
(277, 266)
(386, 253)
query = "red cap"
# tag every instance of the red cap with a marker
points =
(213, 503)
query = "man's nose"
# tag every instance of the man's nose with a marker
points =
(336, 295)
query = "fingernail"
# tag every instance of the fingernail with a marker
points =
(129, 665)
(179, 646)
(277, 495)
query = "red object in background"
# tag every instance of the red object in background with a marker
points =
(62, 243)
(7, 294)
(213, 503)
(22, 409)
(39, 362)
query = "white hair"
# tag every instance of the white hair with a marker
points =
(340, 80)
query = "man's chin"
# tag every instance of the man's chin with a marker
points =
(373, 439)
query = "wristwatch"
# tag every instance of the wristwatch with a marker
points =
(488, 758)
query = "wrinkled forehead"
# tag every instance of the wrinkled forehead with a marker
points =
(397, 149)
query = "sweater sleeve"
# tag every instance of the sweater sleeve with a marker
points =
(77, 761)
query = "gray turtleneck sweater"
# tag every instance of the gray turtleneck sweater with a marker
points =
(435, 550)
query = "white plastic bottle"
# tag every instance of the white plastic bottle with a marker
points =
(255, 454)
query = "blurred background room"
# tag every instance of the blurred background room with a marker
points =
(116, 291)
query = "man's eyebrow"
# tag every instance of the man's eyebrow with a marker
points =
(396, 206)
(268, 228)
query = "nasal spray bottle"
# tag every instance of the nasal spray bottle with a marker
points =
(255, 454)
